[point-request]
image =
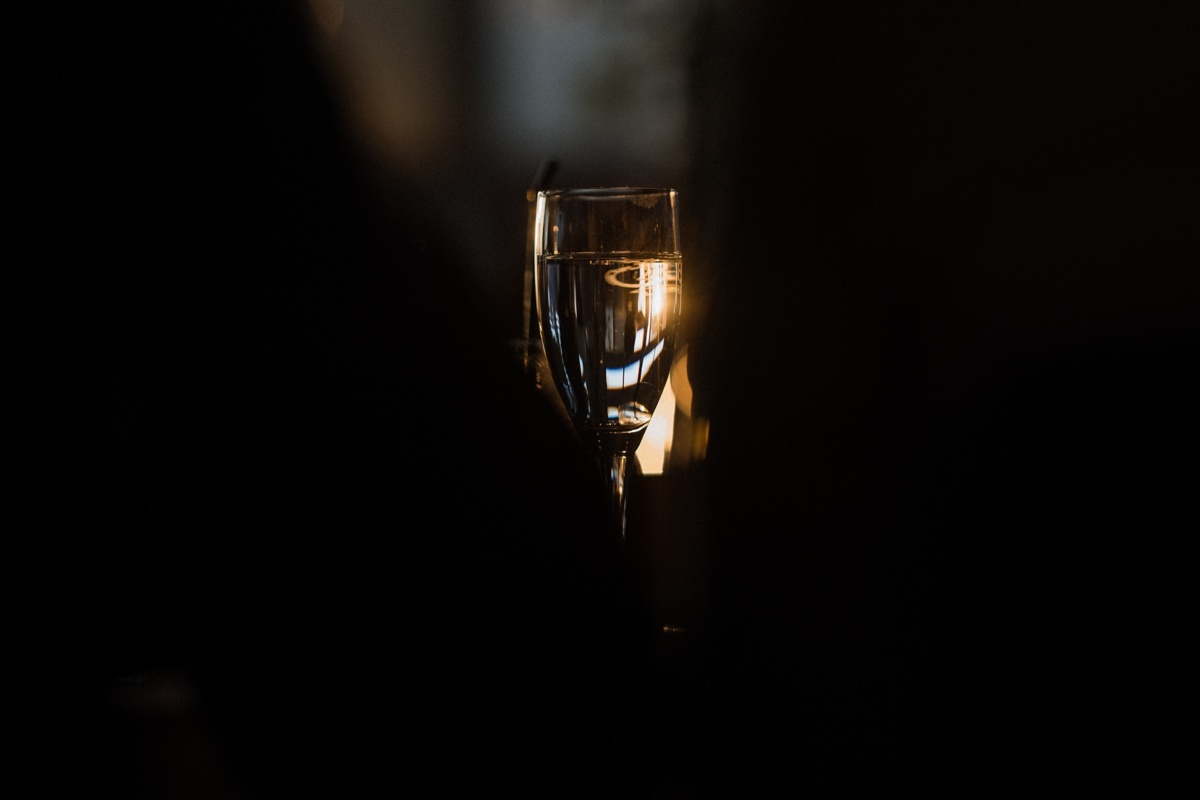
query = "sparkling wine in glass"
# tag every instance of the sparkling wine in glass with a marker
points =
(608, 276)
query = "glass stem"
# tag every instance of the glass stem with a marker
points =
(613, 467)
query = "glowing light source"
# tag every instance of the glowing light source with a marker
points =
(655, 448)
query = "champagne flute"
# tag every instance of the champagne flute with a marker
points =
(608, 278)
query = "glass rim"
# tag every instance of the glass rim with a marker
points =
(607, 191)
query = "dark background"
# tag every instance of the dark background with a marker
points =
(280, 488)
(956, 304)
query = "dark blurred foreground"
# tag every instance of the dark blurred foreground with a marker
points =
(288, 518)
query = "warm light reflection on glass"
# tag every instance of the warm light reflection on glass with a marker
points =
(649, 283)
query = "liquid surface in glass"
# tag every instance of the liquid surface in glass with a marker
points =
(608, 325)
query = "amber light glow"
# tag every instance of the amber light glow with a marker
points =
(654, 453)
